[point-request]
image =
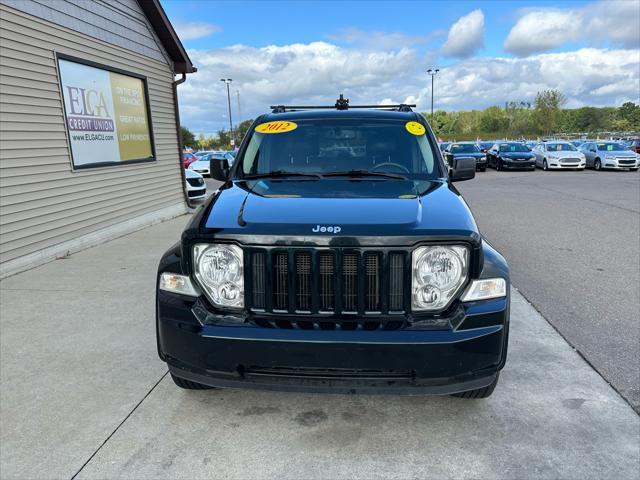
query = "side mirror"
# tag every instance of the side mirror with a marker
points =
(219, 169)
(462, 168)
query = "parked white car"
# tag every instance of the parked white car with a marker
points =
(196, 186)
(203, 164)
(558, 156)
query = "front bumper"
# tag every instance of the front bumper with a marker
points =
(468, 354)
(616, 165)
(559, 165)
(510, 163)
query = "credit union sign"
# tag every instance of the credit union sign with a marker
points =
(106, 114)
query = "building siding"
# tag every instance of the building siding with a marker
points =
(43, 202)
(119, 22)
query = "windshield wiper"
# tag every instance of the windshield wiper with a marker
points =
(280, 174)
(364, 173)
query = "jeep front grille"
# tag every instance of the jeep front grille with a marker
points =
(327, 281)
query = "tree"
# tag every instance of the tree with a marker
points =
(493, 119)
(519, 117)
(629, 112)
(547, 110)
(241, 130)
(223, 140)
(187, 137)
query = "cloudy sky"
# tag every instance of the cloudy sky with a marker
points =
(376, 52)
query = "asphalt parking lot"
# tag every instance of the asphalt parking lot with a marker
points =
(573, 244)
(84, 394)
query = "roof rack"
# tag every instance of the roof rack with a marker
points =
(341, 104)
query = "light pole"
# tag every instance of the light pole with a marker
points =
(433, 73)
(228, 81)
(239, 111)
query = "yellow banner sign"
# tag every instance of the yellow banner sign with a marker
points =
(279, 126)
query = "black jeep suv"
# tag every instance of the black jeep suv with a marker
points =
(337, 256)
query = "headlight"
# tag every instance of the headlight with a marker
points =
(610, 157)
(438, 274)
(219, 271)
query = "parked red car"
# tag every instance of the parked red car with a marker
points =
(635, 145)
(188, 159)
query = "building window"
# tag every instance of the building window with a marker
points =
(107, 114)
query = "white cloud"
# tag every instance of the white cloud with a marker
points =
(317, 72)
(599, 23)
(299, 73)
(194, 30)
(596, 77)
(466, 36)
(384, 40)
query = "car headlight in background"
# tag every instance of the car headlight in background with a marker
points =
(438, 274)
(219, 271)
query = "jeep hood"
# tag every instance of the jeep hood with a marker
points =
(359, 207)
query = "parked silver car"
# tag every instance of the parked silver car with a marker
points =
(558, 156)
(609, 154)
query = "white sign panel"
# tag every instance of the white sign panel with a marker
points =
(106, 115)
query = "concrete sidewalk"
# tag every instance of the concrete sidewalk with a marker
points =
(83, 392)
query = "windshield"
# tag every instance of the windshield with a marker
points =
(514, 147)
(319, 146)
(486, 145)
(560, 147)
(464, 148)
(611, 146)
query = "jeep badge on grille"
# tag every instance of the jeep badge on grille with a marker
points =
(326, 229)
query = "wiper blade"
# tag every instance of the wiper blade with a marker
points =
(280, 174)
(364, 173)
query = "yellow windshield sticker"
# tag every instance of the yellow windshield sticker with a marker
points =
(415, 128)
(279, 126)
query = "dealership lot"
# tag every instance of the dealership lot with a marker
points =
(94, 399)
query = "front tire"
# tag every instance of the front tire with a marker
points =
(189, 385)
(597, 164)
(499, 166)
(545, 166)
(483, 392)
